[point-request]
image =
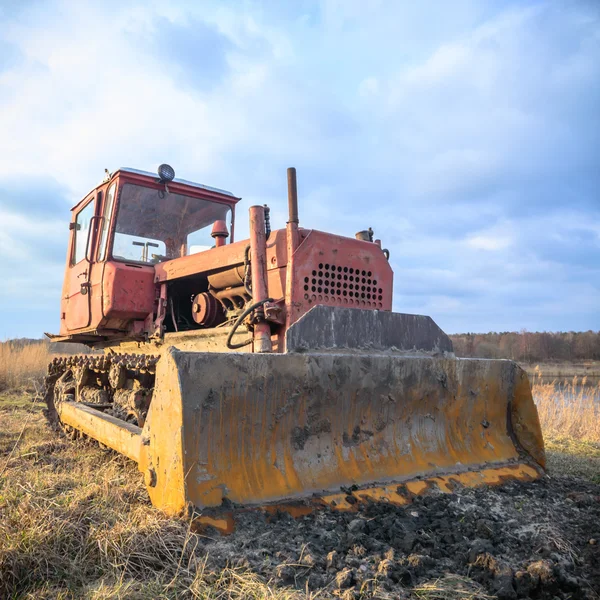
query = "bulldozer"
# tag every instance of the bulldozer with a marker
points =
(269, 372)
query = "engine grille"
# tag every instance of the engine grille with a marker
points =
(343, 285)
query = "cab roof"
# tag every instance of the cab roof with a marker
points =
(176, 180)
(154, 176)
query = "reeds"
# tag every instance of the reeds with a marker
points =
(23, 367)
(569, 408)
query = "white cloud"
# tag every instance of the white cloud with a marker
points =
(462, 133)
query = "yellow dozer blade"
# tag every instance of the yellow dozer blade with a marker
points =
(254, 429)
(333, 427)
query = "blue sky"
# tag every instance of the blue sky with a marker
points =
(466, 133)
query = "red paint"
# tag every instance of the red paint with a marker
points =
(258, 263)
(298, 268)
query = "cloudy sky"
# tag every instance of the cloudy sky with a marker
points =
(466, 133)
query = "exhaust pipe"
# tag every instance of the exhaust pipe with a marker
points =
(292, 196)
(258, 264)
(292, 243)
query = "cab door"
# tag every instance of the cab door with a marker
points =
(78, 305)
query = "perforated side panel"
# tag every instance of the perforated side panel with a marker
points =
(343, 285)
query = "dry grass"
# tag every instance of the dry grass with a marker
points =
(76, 522)
(568, 409)
(22, 367)
(575, 458)
(451, 587)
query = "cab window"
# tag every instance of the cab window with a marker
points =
(152, 226)
(108, 211)
(81, 232)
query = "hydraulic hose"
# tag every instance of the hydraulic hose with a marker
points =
(238, 322)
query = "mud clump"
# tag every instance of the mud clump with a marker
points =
(520, 540)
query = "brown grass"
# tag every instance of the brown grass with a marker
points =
(76, 522)
(451, 587)
(568, 409)
(23, 367)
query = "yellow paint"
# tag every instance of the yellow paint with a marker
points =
(108, 430)
(392, 494)
(395, 494)
(223, 426)
(250, 455)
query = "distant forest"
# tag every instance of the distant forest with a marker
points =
(529, 347)
(523, 346)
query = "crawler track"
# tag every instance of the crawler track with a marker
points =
(118, 384)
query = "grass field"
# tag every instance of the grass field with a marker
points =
(75, 521)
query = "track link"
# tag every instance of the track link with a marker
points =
(118, 384)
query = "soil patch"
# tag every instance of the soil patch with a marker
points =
(534, 540)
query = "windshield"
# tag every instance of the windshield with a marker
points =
(151, 229)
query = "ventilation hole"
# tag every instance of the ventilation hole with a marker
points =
(320, 265)
(363, 280)
(314, 273)
(320, 298)
(313, 289)
(351, 270)
(380, 291)
(374, 281)
(344, 293)
(339, 276)
(326, 266)
(362, 295)
(325, 299)
(364, 272)
(363, 288)
(306, 288)
(380, 298)
(345, 285)
(339, 284)
(380, 305)
(351, 278)
(306, 296)
(339, 269)
(345, 269)
(369, 273)
(351, 294)
(319, 290)
(368, 297)
(326, 291)
(306, 280)
(345, 277)
(338, 292)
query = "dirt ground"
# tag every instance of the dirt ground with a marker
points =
(75, 522)
(535, 540)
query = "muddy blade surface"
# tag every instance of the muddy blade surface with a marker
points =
(256, 429)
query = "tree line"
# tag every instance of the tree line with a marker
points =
(526, 346)
(523, 346)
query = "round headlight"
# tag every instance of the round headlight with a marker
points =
(166, 172)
